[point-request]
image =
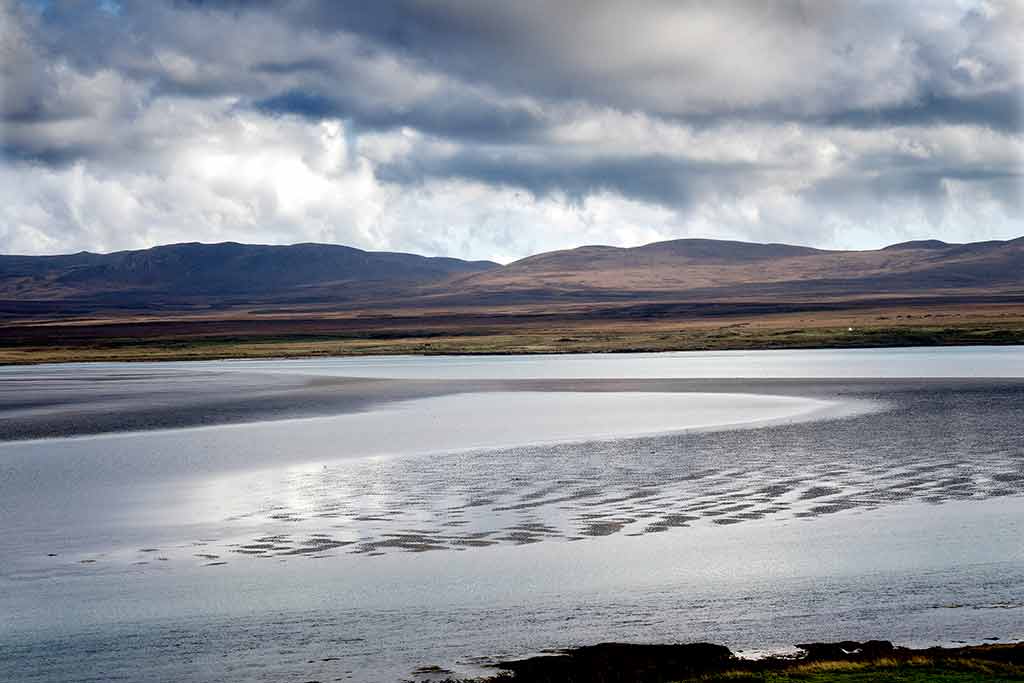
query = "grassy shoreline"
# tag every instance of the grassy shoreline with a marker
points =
(529, 341)
(844, 662)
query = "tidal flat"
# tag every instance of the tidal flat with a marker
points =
(364, 518)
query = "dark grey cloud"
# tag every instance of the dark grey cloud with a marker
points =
(610, 52)
(1002, 111)
(857, 63)
(469, 118)
(666, 180)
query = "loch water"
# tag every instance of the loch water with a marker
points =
(355, 519)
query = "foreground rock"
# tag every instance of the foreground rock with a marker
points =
(613, 662)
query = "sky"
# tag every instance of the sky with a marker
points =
(501, 129)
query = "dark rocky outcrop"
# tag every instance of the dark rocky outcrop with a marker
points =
(621, 663)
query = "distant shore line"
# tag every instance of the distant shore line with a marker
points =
(58, 349)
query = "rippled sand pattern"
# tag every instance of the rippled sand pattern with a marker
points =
(930, 445)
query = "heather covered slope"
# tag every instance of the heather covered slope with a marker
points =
(232, 275)
(216, 271)
(709, 268)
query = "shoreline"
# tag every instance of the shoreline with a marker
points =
(271, 351)
(854, 661)
(68, 343)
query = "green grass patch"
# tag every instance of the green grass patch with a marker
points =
(913, 670)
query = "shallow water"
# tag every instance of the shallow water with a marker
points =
(966, 361)
(459, 524)
(956, 361)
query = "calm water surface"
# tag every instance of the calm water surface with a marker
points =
(459, 511)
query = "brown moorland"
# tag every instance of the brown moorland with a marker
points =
(210, 301)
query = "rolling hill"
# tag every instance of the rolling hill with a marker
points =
(712, 269)
(235, 300)
(216, 274)
(229, 275)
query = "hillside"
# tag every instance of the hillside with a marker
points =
(218, 274)
(234, 300)
(225, 275)
(708, 269)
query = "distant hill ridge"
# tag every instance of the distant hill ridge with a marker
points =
(194, 268)
(229, 274)
(715, 267)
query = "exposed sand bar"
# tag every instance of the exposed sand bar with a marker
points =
(73, 400)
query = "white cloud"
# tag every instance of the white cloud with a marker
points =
(487, 133)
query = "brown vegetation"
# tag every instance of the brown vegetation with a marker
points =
(572, 329)
(170, 303)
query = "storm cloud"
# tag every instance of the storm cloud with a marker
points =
(494, 130)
